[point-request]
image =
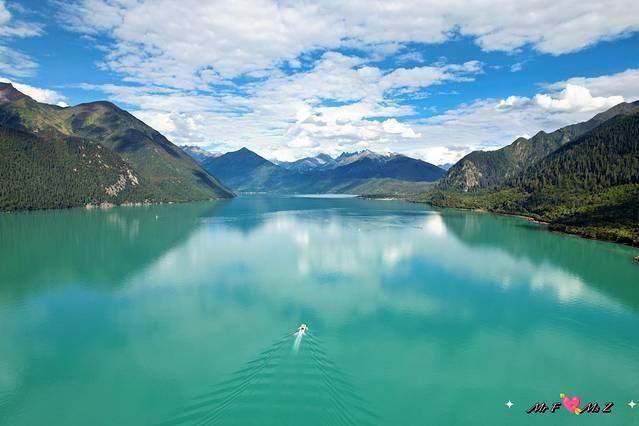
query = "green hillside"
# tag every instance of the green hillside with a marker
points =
(605, 157)
(172, 172)
(589, 186)
(167, 173)
(385, 187)
(61, 172)
(491, 169)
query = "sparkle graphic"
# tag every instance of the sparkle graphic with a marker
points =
(632, 403)
(509, 403)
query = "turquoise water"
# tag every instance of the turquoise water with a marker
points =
(185, 314)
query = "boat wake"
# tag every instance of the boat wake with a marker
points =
(299, 334)
(281, 387)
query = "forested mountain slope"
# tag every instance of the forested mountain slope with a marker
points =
(490, 169)
(46, 140)
(589, 186)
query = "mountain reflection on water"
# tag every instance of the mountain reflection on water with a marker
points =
(164, 312)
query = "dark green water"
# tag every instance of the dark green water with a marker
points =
(184, 314)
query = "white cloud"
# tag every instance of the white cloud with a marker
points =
(284, 118)
(10, 27)
(410, 57)
(492, 123)
(576, 98)
(162, 122)
(554, 27)
(393, 126)
(572, 98)
(41, 95)
(287, 116)
(624, 84)
(516, 67)
(224, 38)
(228, 38)
(184, 81)
(13, 62)
(512, 102)
(303, 141)
(429, 75)
(439, 155)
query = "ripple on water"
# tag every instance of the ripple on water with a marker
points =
(280, 386)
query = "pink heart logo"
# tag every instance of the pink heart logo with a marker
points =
(571, 403)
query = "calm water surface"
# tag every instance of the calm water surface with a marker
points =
(184, 314)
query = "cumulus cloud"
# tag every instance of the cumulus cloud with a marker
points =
(576, 98)
(269, 74)
(224, 39)
(229, 38)
(289, 116)
(395, 127)
(488, 124)
(572, 98)
(278, 120)
(41, 95)
(303, 141)
(624, 84)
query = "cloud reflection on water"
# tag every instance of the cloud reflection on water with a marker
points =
(300, 255)
(410, 288)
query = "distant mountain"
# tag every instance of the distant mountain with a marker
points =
(350, 157)
(321, 161)
(92, 153)
(199, 154)
(446, 166)
(325, 161)
(490, 169)
(588, 186)
(367, 164)
(246, 171)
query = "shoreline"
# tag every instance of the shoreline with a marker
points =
(103, 206)
(552, 227)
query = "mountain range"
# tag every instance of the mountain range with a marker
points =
(490, 169)
(199, 154)
(356, 173)
(319, 162)
(91, 153)
(582, 179)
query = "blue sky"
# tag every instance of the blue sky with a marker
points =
(427, 78)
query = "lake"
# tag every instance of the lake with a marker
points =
(185, 314)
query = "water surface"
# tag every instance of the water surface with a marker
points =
(184, 314)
